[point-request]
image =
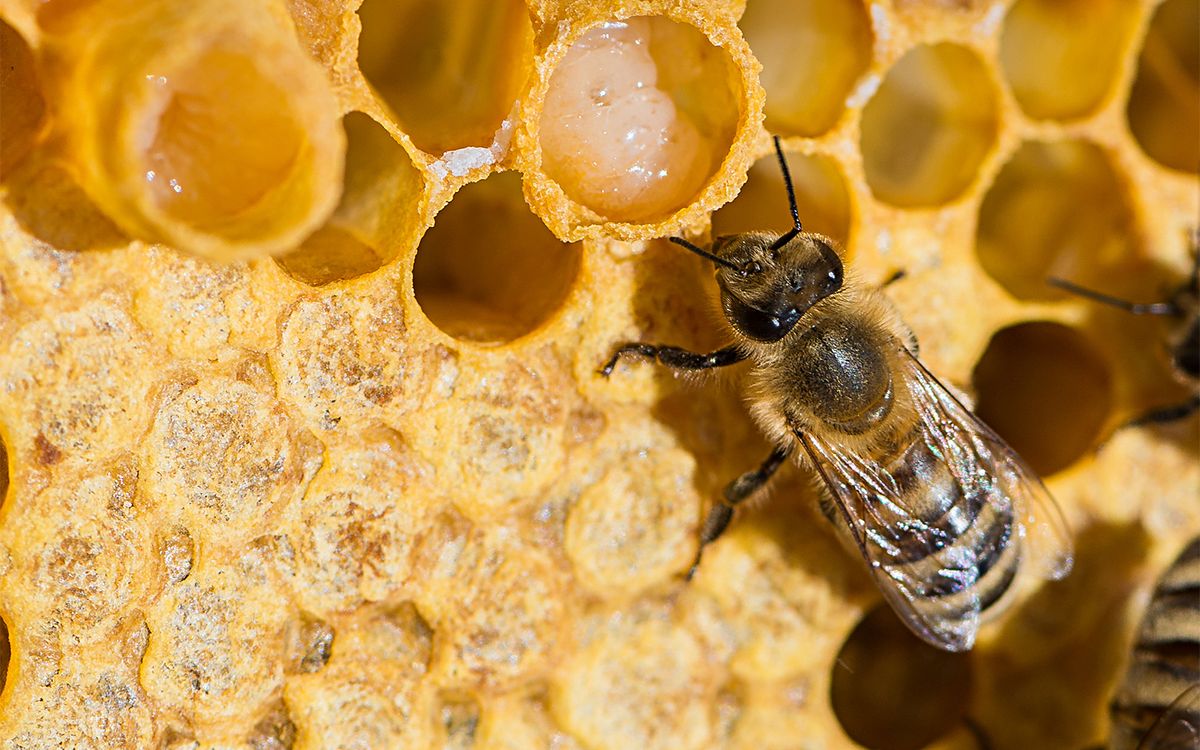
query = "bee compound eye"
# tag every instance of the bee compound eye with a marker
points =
(760, 325)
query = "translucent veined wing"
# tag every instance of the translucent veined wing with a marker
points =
(944, 523)
(1179, 726)
(1045, 529)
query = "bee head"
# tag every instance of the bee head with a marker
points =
(768, 282)
(767, 287)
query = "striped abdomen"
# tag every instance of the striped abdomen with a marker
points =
(956, 532)
(1166, 657)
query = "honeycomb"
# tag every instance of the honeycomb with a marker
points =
(301, 440)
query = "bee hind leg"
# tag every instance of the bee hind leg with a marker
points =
(735, 492)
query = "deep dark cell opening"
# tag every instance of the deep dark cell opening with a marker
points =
(1046, 390)
(892, 691)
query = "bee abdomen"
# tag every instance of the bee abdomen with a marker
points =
(954, 544)
(1166, 658)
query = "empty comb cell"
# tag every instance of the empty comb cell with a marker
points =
(201, 125)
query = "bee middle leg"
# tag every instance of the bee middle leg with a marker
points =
(675, 357)
(735, 492)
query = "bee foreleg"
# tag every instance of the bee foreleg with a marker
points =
(676, 358)
(735, 492)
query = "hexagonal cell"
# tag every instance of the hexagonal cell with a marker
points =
(381, 199)
(1164, 103)
(638, 116)
(24, 108)
(1063, 58)
(812, 53)
(489, 271)
(926, 131)
(762, 204)
(881, 660)
(1055, 209)
(217, 134)
(449, 71)
(1046, 390)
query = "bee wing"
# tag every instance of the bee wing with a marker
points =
(1179, 726)
(973, 487)
(1050, 552)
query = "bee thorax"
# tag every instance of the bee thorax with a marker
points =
(844, 376)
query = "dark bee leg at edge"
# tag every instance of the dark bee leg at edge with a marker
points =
(1168, 413)
(676, 358)
(735, 492)
(977, 733)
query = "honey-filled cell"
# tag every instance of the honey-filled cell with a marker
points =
(488, 270)
(378, 211)
(450, 72)
(638, 116)
(929, 127)
(812, 52)
(1164, 103)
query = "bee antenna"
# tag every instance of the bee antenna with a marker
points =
(791, 191)
(704, 253)
(1137, 308)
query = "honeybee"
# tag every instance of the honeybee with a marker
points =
(941, 509)
(1157, 705)
(1183, 308)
